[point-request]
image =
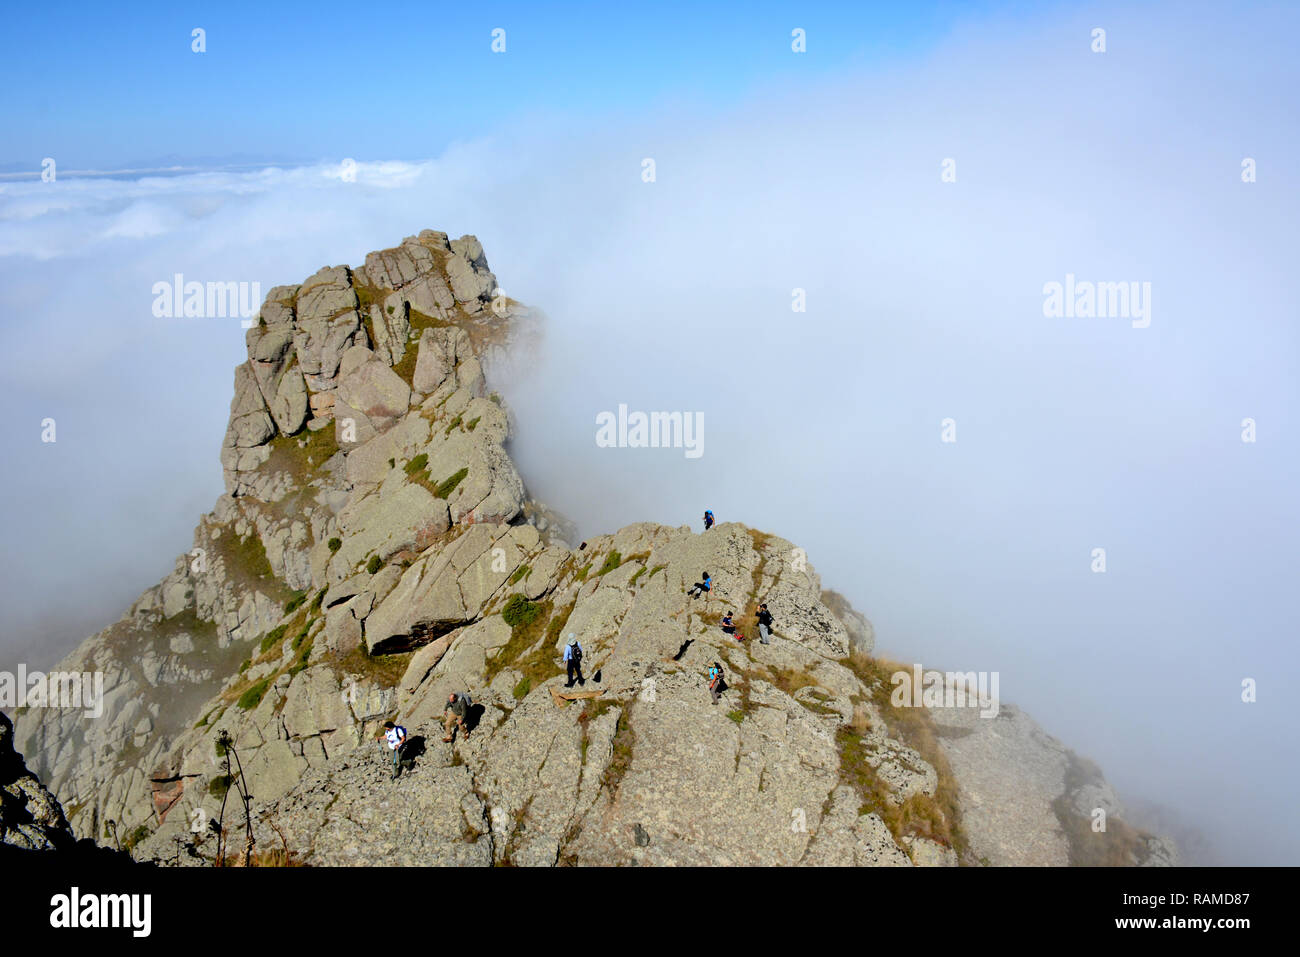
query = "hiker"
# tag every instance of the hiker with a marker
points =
(573, 660)
(764, 624)
(699, 588)
(456, 712)
(395, 735)
(708, 519)
(715, 681)
(727, 627)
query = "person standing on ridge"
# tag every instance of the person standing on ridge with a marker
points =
(456, 713)
(764, 624)
(395, 735)
(708, 519)
(573, 660)
(714, 676)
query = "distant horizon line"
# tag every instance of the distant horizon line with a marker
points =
(174, 170)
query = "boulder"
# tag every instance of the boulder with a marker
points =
(370, 390)
(328, 325)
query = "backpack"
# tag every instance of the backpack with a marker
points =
(576, 654)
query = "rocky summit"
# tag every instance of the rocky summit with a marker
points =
(376, 550)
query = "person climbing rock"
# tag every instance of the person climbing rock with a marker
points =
(699, 588)
(456, 712)
(728, 628)
(764, 624)
(708, 519)
(573, 660)
(715, 681)
(395, 735)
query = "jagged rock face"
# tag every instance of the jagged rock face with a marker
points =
(376, 550)
(748, 780)
(294, 485)
(30, 817)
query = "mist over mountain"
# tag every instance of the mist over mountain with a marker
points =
(376, 563)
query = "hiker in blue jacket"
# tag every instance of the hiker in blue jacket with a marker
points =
(573, 660)
(714, 677)
(708, 519)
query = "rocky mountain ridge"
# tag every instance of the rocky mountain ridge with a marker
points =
(376, 549)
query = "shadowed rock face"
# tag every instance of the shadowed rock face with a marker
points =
(376, 550)
(30, 817)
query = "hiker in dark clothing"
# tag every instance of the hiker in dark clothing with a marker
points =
(699, 588)
(456, 712)
(715, 681)
(573, 660)
(395, 735)
(764, 624)
(727, 627)
(708, 520)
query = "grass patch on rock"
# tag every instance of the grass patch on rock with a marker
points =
(448, 485)
(253, 696)
(939, 817)
(384, 670)
(302, 454)
(525, 652)
(273, 638)
(1120, 845)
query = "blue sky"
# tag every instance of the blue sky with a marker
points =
(115, 85)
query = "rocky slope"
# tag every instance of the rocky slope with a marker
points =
(30, 817)
(375, 549)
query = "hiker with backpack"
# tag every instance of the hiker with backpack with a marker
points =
(573, 660)
(715, 681)
(456, 713)
(395, 735)
(708, 519)
(699, 588)
(764, 624)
